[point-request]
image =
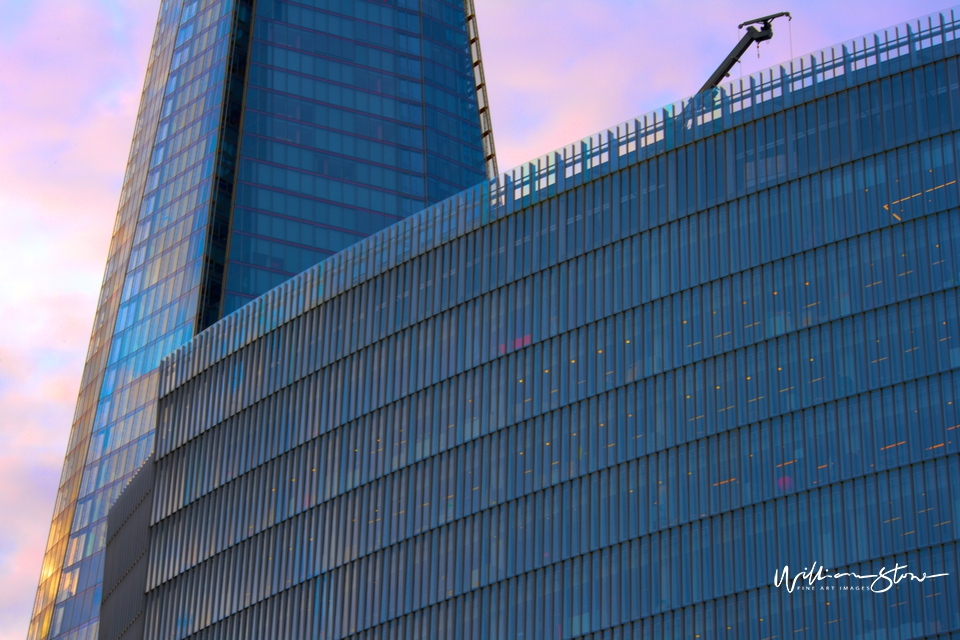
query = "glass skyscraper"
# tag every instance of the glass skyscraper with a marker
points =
(607, 395)
(271, 134)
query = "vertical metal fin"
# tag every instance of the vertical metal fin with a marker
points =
(483, 105)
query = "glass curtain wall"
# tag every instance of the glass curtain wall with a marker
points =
(150, 298)
(354, 114)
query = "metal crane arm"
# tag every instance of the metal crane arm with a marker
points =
(752, 35)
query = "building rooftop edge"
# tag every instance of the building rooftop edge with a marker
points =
(654, 133)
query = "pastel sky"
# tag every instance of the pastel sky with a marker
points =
(71, 72)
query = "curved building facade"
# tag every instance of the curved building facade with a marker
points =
(610, 395)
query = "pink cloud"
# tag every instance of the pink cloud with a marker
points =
(68, 101)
